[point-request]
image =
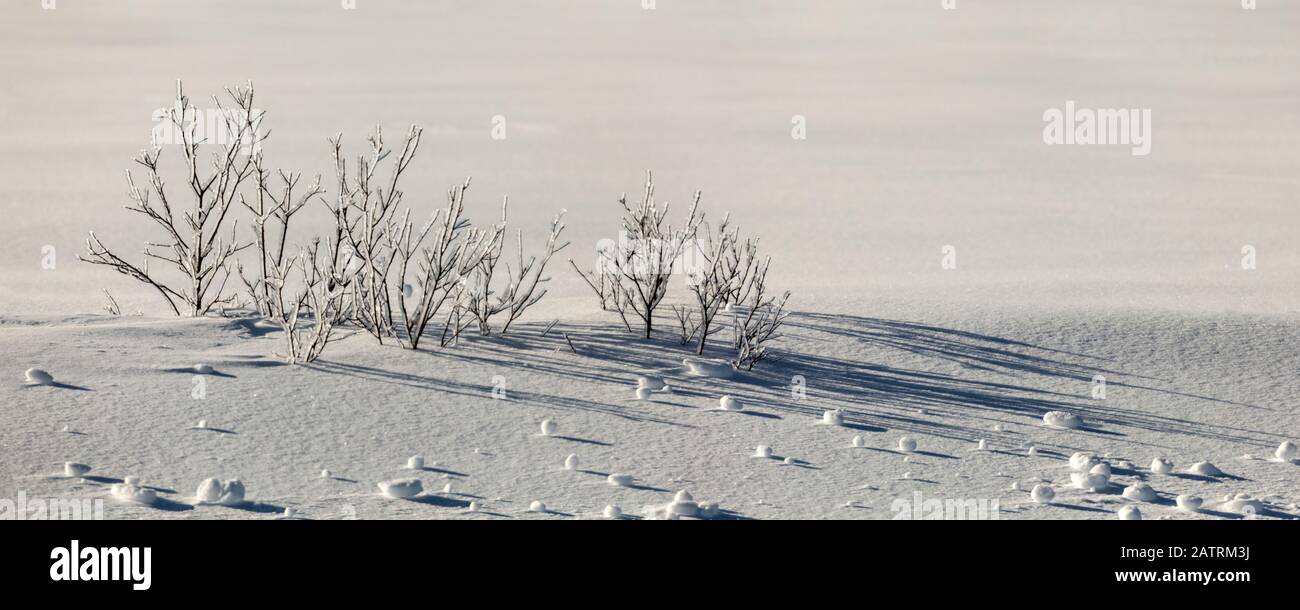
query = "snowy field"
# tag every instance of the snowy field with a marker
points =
(1077, 268)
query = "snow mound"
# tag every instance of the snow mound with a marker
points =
(1205, 469)
(401, 488)
(1062, 419)
(763, 451)
(415, 462)
(126, 492)
(613, 511)
(74, 469)
(833, 418)
(907, 444)
(620, 480)
(1042, 494)
(729, 403)
(548, 427)
(571, 462)
(1083, 462)
(215, 491)
(1130, 513)
(1140, 492)
(718, 369)
(1161, 466)
(1287, 451)
(39, 377)
(1188, 503)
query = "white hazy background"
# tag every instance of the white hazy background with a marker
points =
(924, 129)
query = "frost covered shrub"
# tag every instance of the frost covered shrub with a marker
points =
(193, 218)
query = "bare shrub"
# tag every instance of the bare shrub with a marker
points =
(367, 227)
(759, 320)
(454, 252)
(523, 281)
(725, 276)
(265, 207)
(633, 275)
(192, 242)
(307, 292)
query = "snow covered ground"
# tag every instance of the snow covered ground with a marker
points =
(924, 131)
(129, 408)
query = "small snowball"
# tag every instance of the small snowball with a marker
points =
(415, 462)
(401, 488)
(203, 369)
(1042, 494)
(997, 427)
(1103, 469)
(983, 445)
(1287, 451)
(1205, 469)
(446, 488)
(789, 461)
(39, 377)
(202, 425)
(684, 509)
(858, 441)
(1188, 503)
(548, 427)
(325, 474)
(571, 462)
(1244, 504)
(613, 511)
(729, 403)
(1015, 486)
(537, 506)
(763, 451)
(619, 480)
(233, 493)
(133, 493)
(73, 469)
(907, 444)
(643, 393)
(1061, 419)
(650, 382)
(1090, 481)
(833, 418)
(1140, 492)
(1032, 451)
(473, 507)
(209, 492)
(907, 475)
(710, 510)
(288, 513)
(1161, 466)
(132, 480)
(1130, 513)
(1083, 462)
